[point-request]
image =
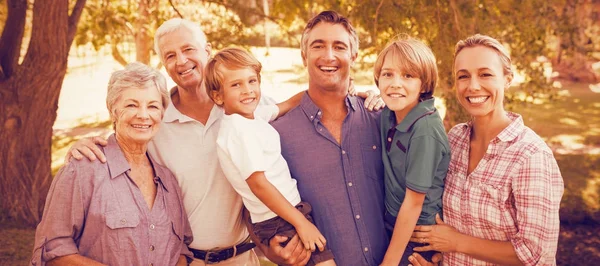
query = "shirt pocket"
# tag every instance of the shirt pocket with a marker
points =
(122, 225)
(175, 239)
(488, 206)
(372, 164)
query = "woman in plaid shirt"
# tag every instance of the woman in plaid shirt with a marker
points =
(503, 187)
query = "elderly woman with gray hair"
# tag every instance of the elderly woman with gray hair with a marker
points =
(125, 212)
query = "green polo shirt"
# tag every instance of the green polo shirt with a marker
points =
(416, 155)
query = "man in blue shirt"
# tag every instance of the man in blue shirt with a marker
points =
(332, 146)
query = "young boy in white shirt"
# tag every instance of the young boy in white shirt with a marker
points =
(249, 151)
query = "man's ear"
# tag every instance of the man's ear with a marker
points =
(353, 59)
(303, 58)
(208, 49)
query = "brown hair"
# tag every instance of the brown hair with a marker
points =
(331, 17)
(230, 58)
(414, 57)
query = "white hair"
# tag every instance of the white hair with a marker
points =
(175, 24)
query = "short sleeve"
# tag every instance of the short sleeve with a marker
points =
(243, 147)
(63, 217)
(424, 155)
(267, 112)
(537, 189)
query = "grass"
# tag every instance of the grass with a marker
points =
(570, 125)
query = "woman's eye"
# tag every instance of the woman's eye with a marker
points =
(462, 77)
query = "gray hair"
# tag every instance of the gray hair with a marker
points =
(174, 24)
(135, 75)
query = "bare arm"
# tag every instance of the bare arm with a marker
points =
(270, 196)
(445, 238)
(405, 223)
(290, 103)
(73, 260)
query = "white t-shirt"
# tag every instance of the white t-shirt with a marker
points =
(245, 146)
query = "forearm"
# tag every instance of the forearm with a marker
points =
(270, 196)
(403, 228)
(497, 252)
(73, 260)
(290, 103)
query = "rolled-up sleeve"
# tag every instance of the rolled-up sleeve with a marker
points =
(62, 219)
(538, 189)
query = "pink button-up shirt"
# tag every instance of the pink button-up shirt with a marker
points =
(512, 195)
(97, 211)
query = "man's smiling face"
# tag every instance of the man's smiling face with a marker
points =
(184, 58)
(328, 56)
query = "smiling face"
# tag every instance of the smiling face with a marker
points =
(399, 88)
(137, 114)
(240, 91)
(328, 57)
(184, 57)
(480, 81)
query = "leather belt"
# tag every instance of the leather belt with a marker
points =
(217, 255)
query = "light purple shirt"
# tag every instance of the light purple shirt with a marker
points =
(97, 211)
(343, 182)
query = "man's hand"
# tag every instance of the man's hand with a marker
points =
(87, 147)
(293, 253)
(373, 101)
(418, 260)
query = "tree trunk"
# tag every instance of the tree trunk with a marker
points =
(28, 106)
(143, 40)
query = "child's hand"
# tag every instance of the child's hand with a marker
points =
(310, 236)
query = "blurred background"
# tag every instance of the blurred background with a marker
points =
(56, 58)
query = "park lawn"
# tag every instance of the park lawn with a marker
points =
(571, 126)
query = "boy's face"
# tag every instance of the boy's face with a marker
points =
(399, 90)
(240, 92)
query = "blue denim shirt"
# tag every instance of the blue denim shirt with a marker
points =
(343, 183)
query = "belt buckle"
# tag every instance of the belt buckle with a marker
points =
(207, 259)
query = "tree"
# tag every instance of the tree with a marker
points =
(29, 90)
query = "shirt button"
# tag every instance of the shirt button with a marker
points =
(357, 217)
(319, 113)
(343, 152)
(320, 129)
(349, 184)
(366, 249)
(152, 226)
(151, 247)
(311, 117)
(389, 139)
(374, 147)
(123, 221)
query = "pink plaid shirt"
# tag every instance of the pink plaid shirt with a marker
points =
(512, 195)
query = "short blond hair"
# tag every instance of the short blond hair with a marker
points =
(414, 57)
(135, 75)
(231, 58)
(489, 42)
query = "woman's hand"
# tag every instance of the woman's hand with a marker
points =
(440, 237)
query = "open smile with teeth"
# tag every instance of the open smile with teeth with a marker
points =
(187, 71)
(247, 100)
(142, 126)
(328, 69)
(477, 99)
(396, 95)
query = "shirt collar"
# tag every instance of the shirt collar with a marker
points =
(513, 130)
(419, 111)
(117, 164)
(312, 111)
(174, 115)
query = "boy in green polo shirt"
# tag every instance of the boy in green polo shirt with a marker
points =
(416, 154)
